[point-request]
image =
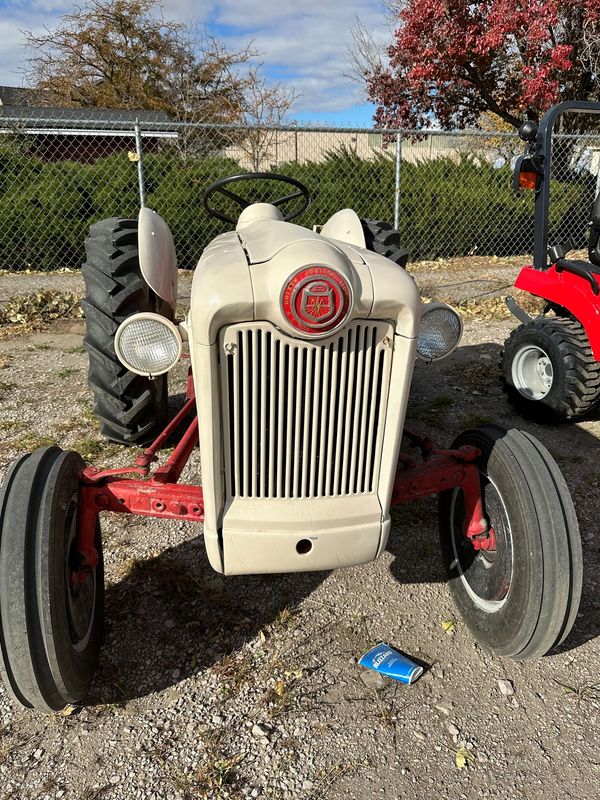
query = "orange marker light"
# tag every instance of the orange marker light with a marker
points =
(528, 180)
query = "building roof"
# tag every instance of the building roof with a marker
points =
(27, 106)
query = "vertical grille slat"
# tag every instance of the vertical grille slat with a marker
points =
(246, 409)
(304, 419)
(363, 419)
(257, 394)
(336, 374)
(298, 421)
(281, 370)
(292, 357)
(350, 474)
(324, 422)
(315, 389)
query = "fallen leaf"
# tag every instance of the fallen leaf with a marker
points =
(463, 757)
(448, 625)
(67, 711)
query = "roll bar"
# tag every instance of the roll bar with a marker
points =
(543, 146)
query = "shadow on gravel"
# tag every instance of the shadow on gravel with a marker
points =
(172, 616)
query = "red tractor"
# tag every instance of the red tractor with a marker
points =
(551, 363)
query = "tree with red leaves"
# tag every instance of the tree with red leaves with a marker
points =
(451, 61)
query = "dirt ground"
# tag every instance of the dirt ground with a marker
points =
(214, 687)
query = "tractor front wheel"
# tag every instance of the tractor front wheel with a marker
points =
(50, 625)
(519, 599)
(549, 372)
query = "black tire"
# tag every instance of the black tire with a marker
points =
(50, 631)
(131, 408)
(570, 384)
(520, 600)
(383, 238)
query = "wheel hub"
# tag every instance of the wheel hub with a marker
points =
(532, 372)
(485, 573)
(80, 588)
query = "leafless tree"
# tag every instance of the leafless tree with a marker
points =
(265, 107)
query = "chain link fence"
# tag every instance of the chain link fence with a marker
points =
(449, 194)
(575, 184)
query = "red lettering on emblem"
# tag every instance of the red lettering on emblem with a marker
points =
(316, 300)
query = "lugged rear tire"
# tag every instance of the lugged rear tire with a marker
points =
(570, 386)
(383, 238)
(131, 408)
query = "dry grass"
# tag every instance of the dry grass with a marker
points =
(494, 308)
(463, 263)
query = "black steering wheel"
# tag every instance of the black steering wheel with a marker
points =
(219, 188)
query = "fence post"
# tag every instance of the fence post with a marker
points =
(397, 191)
(140, 164)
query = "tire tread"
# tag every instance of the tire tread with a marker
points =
(130, 408)
(582, 388)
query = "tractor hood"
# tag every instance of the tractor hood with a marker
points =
(263, 239)
(245, 275)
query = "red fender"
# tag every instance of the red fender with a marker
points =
(571, 292)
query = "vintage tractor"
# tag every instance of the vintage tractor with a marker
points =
(302, 345)
(551, 363)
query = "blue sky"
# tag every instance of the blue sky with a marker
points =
(304, 44)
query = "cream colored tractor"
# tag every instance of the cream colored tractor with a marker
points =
(302, 345)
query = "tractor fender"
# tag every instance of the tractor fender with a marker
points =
(158, 262)
(569, 291)
(345, 226)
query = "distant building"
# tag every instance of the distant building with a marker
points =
(75, 134)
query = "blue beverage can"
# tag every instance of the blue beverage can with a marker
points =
(388, 661)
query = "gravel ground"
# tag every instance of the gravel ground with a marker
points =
(214, 687)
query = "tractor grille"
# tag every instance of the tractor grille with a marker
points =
(304, 419)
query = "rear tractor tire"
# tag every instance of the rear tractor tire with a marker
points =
(131, 408)
(548, 370)
(383, 238)
(519, 598)
(50, 626)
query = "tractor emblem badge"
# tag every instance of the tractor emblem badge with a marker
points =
(316, 300)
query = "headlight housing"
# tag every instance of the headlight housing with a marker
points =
(440, 331)
(148, 344)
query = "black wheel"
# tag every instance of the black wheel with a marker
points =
(521, 598)
(383, 238)
(548, 370)
(131, 408)
(51, 630)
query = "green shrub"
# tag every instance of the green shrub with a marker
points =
(448, 207)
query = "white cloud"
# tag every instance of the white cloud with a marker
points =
(304, 45)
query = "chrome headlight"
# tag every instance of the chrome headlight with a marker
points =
(440, 331)
(148, 344)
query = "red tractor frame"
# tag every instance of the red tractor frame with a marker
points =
(160, 495)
